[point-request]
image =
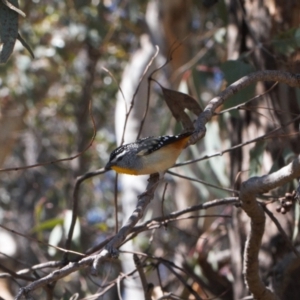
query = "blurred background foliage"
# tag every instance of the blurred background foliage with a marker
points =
(45, 116)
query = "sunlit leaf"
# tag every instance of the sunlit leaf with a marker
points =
(47, 225)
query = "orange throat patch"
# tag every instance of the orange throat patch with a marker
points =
(124, 170)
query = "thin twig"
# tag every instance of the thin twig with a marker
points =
(119, 87)
(249, 190)
(140, 269)
(170, 266)
(203, 182)
(40, 242)
(79, 181)
(290, 79)
(135, 93)
(143, 201)
(258, 139)
(148, 94)
(157, 222)
(61, 159)
(248, 101)
(163, 199)
(280, 229)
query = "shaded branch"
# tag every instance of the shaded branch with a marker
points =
(79, 181)
(248, 192)
(54, 276)
(147, 287)
(280, 229)
(290, 79)
(143, 201)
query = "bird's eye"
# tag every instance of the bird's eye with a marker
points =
(117, 157)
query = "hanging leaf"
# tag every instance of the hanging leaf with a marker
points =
(9, 29)
(12, 7)
(25, 45)
(178, 102)
(234, 70)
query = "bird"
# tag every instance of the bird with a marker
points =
(148, 155)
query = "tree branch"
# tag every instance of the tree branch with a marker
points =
(143, 201)
(248, 192)
(290, 79)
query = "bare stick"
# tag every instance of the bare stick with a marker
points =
(268, 75)
(263, 137)
(280, 229)
(79, 181)
(143, 201)
(146, 286)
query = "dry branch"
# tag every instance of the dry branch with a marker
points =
(249, 190)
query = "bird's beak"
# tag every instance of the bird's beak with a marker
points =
(108, 166)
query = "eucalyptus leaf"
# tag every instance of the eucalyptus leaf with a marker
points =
(14, 7)
(8, 31)
(234, 70)
(25, 45)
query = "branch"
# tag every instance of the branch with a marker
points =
(249, 189)
(160, 221)
(280, 229)
(248, 192)
(146, 286)
(290, 79)
(143, 201)
(54, 276)
(79, 181)
(203, 118)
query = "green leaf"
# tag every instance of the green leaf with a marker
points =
(256, 158)
(213, 145)
(8, 30)
(297, 37)
(14, 7)
(234, 70)
(274, 167)
(288, 155)
(287, 41)
(49, 224)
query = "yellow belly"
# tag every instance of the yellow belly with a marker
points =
(124, 170)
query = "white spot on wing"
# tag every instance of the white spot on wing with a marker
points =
(142, 152)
